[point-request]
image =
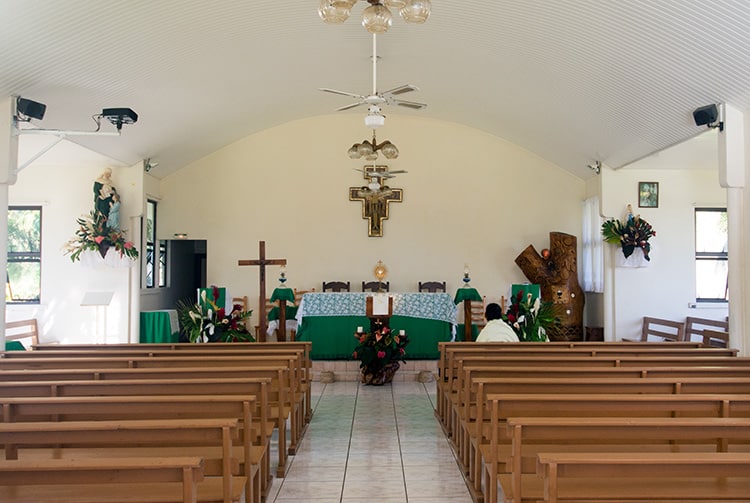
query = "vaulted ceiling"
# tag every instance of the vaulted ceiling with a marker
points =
(573, 81)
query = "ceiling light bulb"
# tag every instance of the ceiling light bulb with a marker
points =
(389, 150)
(354, 152)
(377, 19)
(365, 149)
(416, 11)
(335, 11)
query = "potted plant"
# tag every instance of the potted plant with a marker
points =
(531, 319)
(632, 234)
(379, 353)
(206, 322)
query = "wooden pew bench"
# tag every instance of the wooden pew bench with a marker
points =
(168, 479)
(482, 387)
(645, 476)
(262, 386)
(141, 438)
(253, 454)
(515, 464)
(288, 405)
(230, 348)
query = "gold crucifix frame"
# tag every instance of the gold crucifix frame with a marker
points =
(375, 204)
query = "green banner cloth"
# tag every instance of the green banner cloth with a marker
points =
(463, 294)
(286, 294)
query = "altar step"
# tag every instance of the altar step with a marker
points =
(349, 370)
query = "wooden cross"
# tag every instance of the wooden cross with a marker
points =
(263, 262)
(375, 205)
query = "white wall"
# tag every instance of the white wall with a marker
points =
(666, 287)
(468, 198)
(64, 190)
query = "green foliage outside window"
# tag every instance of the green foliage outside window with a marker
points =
(24, 273)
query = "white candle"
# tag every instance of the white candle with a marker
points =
(402, 332)
(359, 330)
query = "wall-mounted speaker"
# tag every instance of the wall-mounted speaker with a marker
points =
(705, 115)
(31, 108)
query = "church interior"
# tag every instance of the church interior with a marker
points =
(234, 151)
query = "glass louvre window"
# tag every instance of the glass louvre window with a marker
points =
(150, 243)
(711, 257)
(23, 282)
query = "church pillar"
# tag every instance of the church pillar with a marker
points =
(733, 141)
(8, 162)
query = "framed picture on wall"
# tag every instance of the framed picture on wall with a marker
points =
(648, 194)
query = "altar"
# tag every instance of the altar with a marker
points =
(329, 320)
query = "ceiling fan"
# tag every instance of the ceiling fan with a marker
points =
(375, 100)
(376, 189)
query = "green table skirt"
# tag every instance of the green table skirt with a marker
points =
(156, 328)
(460, 332)
(333, 336)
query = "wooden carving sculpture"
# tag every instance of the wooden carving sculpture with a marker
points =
(556, 271)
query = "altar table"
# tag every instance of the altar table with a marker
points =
(330, 320)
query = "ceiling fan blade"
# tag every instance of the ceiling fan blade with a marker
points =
(347, 107)
(406, 88)
(410, 104)
(397, 171)
(343, 93)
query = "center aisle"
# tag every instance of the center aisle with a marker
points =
(370, 443)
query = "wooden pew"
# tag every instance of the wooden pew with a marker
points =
(134, 387)
(230, 347)
(38, 440)
(22, 330)
(531, 436)
(665, 330)
(170, 479)
(695, 327)
(653, 477)
(254, 456)
(288, 389)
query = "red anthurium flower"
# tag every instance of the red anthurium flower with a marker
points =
(215, 291)
(99, 239)
(220, 313)
(381, 354)
(128, 245)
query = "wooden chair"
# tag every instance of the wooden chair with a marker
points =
(22, 330)
(432, 286)
(242, 302)
(376, 286)
(666, 330)
(715, 338)
(336, 286)
(477, 313)
(697, 326)
(299, 293)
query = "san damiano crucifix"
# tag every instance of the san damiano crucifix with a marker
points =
(376, 198)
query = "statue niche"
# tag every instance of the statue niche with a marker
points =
(556, 271)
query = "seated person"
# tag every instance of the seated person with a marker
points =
(496, 329)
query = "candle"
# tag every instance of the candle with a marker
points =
(402, 332)
(359, 330)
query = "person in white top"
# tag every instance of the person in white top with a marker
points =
(496, 329)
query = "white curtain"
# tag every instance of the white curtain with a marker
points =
(592, 263)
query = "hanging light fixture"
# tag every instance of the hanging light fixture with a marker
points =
(376, 18)
(369, 150)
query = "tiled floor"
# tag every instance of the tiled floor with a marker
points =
(372, 443)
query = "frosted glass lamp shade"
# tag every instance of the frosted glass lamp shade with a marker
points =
(365, 149)
(396, 5)
(377, 19)
(416, 11)
(354, 152)
(335, 11)
(389, 150)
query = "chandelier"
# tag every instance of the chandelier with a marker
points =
(369, 150)
(376, 18)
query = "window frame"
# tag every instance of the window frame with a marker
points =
(37, 255)
(714, 256)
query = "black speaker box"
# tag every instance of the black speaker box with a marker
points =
(705, 115)
(31, 108)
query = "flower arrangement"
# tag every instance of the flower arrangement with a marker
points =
(211, 323)
(93, 234)
(631, 234)
(379, 353)
(531, 319)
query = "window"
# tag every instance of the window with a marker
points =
(156, 251)
(24, 273)
(711, 258)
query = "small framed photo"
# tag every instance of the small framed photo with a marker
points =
(648, 194)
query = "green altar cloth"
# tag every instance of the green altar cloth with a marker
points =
(283, 294)
(291, 313)
(330, 321)
(157, 326)
(463, 294)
